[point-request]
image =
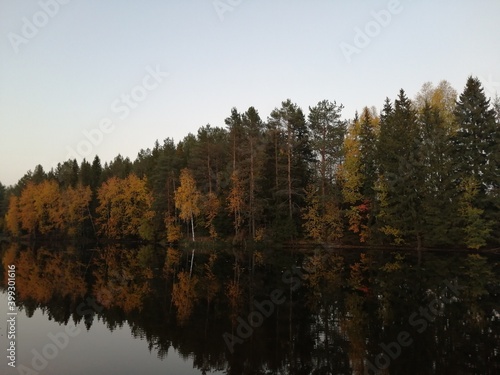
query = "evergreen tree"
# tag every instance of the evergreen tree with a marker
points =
(368, 151)
(39, 175)
(96, 172)
(401, 179)
(67, 174)
(85, 177)
(293, 156)
(359, 173)
(476, 150)
(253, 147)
(327, 131)
(438, 208)
(236, 135)
(164, 180)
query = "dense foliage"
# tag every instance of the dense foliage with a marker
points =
(423, 172)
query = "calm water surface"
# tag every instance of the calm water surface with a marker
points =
(143, 310)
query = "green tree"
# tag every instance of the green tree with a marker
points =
(164, 182)
(85, 177)
(439, 192)
(292, 158)
(322, 214)
(401, 179)
(359, 173)
(208, 158)
(253, 129)
(236, 136)
(476, 150)
(327, 131)
(475, 228)
(96, 172)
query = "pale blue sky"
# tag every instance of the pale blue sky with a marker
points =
(64, 80)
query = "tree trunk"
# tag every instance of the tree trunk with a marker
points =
(192, 226)
(289, 171)
(252, 188)
(192, 261)
(419, 248)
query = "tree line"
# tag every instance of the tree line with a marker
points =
(422, 172)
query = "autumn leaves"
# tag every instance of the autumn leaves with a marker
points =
(124, 209)
(45, 208)
(191, 203)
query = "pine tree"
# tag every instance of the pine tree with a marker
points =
(327, 131)
(96, 173)
(253, 128)
(293, 157)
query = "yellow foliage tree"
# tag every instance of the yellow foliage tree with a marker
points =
(125, 208)
(44, 208)
(74, 207)
(322, 220)
(475, 229)
(121, 279)
(353, 177)
(187, 198)
(173, 229)
(184, 296)
(27, 212)
(236, 200)
(47, 206)
(211, 208)
(12, 217)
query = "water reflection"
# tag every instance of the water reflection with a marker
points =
(337, 313)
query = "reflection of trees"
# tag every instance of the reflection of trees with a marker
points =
(324, 282)
(335, 321)
(184, 296)
(42, 274)
(53, 280)
(121, 279)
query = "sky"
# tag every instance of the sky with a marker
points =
(86, 77)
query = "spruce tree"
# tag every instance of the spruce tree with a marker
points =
(401, 179)
(476, 150)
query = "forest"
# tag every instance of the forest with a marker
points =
(422, 173)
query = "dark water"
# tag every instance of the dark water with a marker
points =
(114, 310)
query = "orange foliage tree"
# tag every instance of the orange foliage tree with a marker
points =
(12, 217)
(187, 198)
(125, 208)
(43, 208)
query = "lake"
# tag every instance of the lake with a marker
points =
(151, 310)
